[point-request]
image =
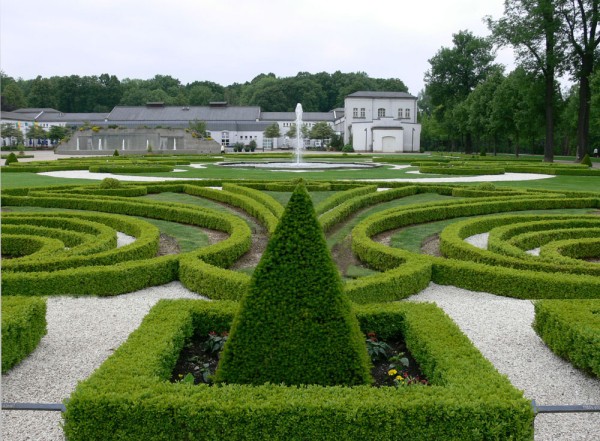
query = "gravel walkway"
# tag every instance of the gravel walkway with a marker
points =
(84, 331)
(501, 329)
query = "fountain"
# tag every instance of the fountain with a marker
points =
(298, 164)
(299, 134)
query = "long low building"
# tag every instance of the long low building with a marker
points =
(370, 122)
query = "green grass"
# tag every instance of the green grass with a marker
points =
(10, 180)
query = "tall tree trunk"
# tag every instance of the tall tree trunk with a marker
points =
(549, 28)
(469, 144)
(585, 96)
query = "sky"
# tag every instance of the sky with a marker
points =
(233, 41)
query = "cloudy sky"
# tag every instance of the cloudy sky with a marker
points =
(228, 41)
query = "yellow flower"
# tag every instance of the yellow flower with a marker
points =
(392, 372)
(400, 378)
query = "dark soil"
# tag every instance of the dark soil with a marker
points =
(167, 245)
(196, 360)
(431, 246)
(344, 257)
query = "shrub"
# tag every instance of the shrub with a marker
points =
(348, 149)
(571, 328)
(586, 160)
(109, 183)
(23, 326)
(296, 312)
(116, 153)
(11, 158)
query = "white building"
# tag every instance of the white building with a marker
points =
(382, 122)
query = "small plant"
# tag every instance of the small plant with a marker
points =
(149, 149)
(378, 350)
(21, 149)
(215, 342)
(252, 145)
(116, 153)
(95, 129)
(348, 148)
(110, 183)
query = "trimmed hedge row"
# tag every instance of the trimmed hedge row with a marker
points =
(125, 191)
(268, 201)
(140, 168)
(130, 276)
(253, 207)
(129, 396)
(70, 239)
(24, 246)
(343, 196)
(452, 244)
(347, 208)
(144, 247)
(571, 329)
(475, 276)
(23, 326)
(570, 250)
(463, 171)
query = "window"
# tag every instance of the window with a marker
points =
(407, 114)
(225, 138)
(362, 112)
(381, 112)
(355, 112)
(399, 113)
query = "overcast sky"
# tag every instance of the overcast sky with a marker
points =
(228, 41)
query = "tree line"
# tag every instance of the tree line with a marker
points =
(470, 104)
(320, 92)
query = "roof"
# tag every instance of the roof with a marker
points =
(375, 94)
(291, 116)
(178, 113)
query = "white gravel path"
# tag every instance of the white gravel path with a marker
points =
(82, 333)
(501, 329)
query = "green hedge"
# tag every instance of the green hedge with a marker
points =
(23, 326)
(129, 396)
(24, 246)
(475, 276)
(140, 168)
(572, 330)
(462, 171)
(130, 276)
(268, 201)
(251, 206)
(342, 196)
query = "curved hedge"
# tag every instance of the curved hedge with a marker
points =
(129, 396)
(23, 326)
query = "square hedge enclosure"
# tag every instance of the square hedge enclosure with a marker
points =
(130, 397)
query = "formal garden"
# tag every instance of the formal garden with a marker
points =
(304, 279)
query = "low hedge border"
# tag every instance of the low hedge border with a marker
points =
(268, 201)
(344, 210)
(452, 244)
(463, 171)
(475, 276)
(253, 207)
(129, 276)
(23, 326)
(571, 250)
(129, 396)
(144, 247)
(571, 329)
(343, 196)
(21, 246)
(70, 239)
(140, 168)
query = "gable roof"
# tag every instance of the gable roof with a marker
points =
(184, 114)
(375, 94)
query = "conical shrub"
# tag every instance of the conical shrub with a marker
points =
(295, 325)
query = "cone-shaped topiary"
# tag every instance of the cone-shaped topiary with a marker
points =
(11, 158)
(586, 160)
(295, 324)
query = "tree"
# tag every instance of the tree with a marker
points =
(580, 24)
(322, 131)
(12, 133)
(272, 131)
(456, 71)
(296, 296)
(13, 98)
(532, 28)
(36, 132)
(56, 133)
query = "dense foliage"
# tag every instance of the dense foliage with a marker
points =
(295, 324)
